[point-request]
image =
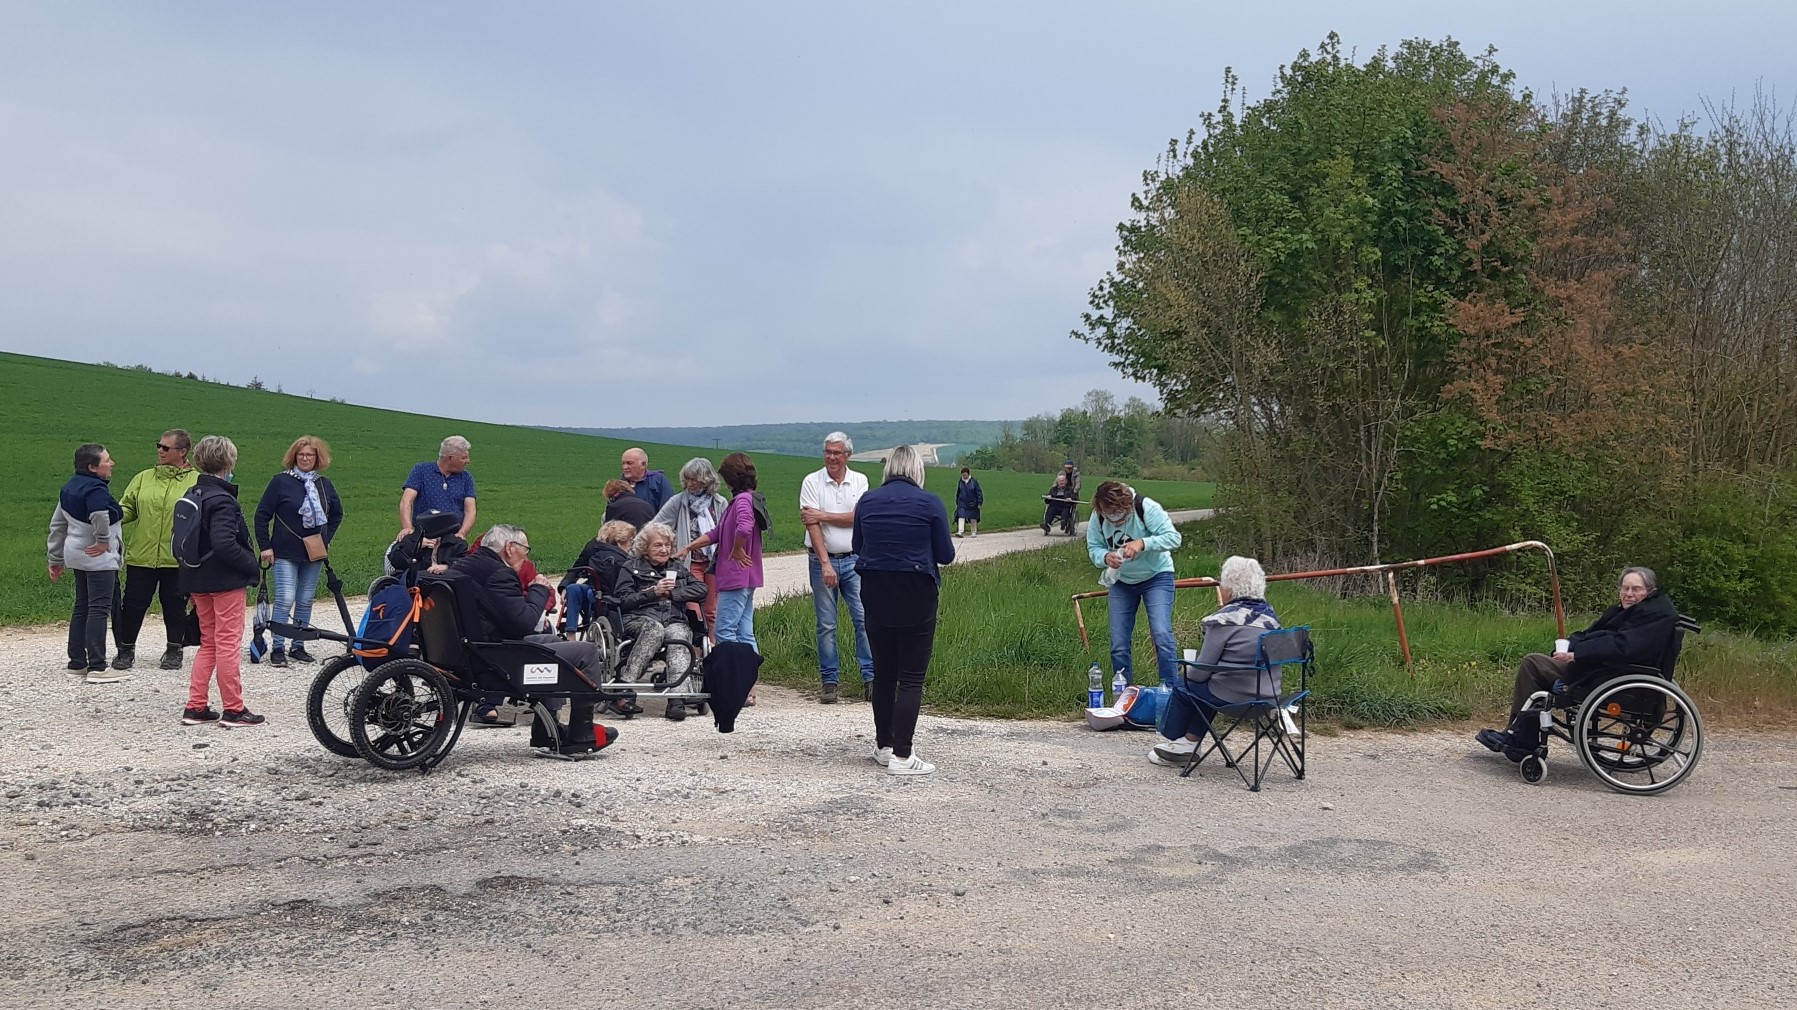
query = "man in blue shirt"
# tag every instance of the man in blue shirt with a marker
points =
(650, 485)
(443, 486)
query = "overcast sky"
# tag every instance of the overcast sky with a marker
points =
(668, 213)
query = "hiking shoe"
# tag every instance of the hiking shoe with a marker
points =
(98, 675)
(830, 695)
(171, 658)
(1494, 740)
(278, 657)
(912, 765)
(299, 654)
(126, 657)
(883, 756)
(241, 718)
(676, 709)
(198, 716)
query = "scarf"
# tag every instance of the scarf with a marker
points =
(699, 507)
(311, 510)
(1247, 611)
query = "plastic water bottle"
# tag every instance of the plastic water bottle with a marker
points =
(1117, 686)
(1095, 687)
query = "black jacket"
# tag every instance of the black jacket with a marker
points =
(490, 593)
(630, 509)
(636, 590)
(1638, 635)
(407, 554)
(604, 559)
(232, 563)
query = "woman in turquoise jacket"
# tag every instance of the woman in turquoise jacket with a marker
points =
(1131, 540)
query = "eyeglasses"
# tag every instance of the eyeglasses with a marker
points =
(526, 547)
(167, 448)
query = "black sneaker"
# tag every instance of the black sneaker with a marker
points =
(77, 666)
(241, 718)
(676, 709)
(198, 716)
(1494, 740)
(127, 656)
(171, 658)
(830, 695)
(278, 657)
(299, 655)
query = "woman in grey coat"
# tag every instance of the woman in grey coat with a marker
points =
(1231, 647)
(691, 514)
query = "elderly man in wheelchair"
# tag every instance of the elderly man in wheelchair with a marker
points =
(476, 638)
(1609, 691)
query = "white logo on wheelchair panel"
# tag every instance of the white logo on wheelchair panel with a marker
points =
(541, 673)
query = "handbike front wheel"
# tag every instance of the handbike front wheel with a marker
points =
(402, 715)
(328, 701)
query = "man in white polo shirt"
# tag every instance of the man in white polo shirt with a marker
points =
(827, 506)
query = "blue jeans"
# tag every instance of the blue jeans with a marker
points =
(296, 582)
(823, 601)
(736, 616)
(1189, 713)
(1157, 594)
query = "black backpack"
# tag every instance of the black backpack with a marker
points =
(189, 542)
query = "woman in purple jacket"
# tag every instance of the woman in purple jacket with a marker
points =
(738, 564)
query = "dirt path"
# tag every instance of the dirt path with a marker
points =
(153, 865)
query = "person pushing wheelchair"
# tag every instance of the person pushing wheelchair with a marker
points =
(1636, 631)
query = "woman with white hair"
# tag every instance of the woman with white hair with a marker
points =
(1225, 673)
(653, 591)
(694, 513)
(901, 540)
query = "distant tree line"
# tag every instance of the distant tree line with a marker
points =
(807, 438)
(1431, 312)
(1133, 440)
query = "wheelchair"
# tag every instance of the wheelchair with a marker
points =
(409, 712)
(1636, 730)
(591, 614)
(1060, 512)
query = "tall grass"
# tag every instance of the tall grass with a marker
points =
(546, 481)
(1007, 645)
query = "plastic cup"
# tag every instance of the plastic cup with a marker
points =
(1191, 655)
(1562, 645)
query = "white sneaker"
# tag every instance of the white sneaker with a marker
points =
(1172, 753)
(912, 765)
(106, 677)
(883, 756)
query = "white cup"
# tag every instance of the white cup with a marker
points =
(1191, 655)
(1562, 645)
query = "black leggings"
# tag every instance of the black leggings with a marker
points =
(140, 585)
(901, 634)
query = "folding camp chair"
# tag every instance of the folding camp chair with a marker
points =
(1269, 717)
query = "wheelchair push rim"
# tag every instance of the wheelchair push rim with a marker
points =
(402, 715)
(1639, 734)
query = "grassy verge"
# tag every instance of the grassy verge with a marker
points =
(546, 481)
(1007, 645)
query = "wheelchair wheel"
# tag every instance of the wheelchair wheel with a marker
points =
(598, 632)
(328, 702)
(1639, 733)
(402, 714)
(1533, 769)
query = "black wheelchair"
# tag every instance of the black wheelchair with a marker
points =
(1059, 512)
(590, 613)
(1636, 729)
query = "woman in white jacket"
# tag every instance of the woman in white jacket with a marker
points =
(84, 538)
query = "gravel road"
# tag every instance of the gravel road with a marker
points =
(156, 865)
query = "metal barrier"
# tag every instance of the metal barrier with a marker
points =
(1391, 582)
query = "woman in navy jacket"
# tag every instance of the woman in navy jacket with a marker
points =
(299, 502)
(901, 537)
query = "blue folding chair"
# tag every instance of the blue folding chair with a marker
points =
(1269, 716)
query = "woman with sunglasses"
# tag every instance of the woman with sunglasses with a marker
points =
(150, 566)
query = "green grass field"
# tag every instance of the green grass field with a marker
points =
(1008, 645)
(546, 481)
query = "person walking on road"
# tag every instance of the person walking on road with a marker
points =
(151, 570)
(969, 499)
(827, 500)
(901, 540)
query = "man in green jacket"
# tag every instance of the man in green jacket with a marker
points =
(150, 565)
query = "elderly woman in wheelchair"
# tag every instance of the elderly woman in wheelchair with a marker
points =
(1226, 671)
(653, 593)
(1610, 692)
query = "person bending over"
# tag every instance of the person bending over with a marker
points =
(1635, 631)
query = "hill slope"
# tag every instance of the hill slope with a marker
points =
(546, 481)
(805, 438)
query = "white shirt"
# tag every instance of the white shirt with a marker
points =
(821, 493)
